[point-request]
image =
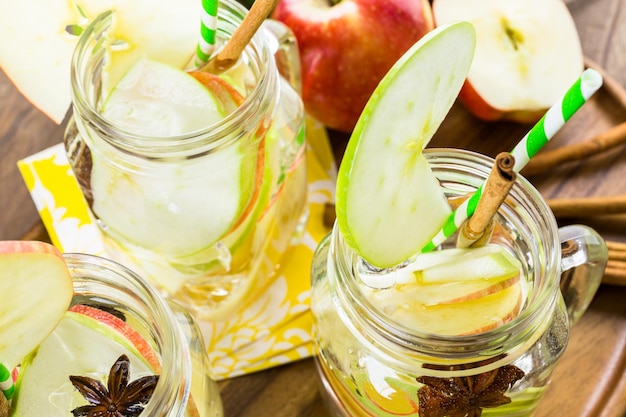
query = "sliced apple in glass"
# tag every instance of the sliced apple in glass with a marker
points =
(468, 316)
(37, 39)
(36, 290)
(171, 216)
(482, 263)
(389, 203)
(80, 345)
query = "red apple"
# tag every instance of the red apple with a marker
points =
(528, 54)
(346, 48)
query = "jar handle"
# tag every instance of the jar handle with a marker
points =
(583, 258)
(284, 45)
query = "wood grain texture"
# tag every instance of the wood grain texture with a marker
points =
(590, 380)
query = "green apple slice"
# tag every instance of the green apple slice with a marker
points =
(389, 203)
(158, 100)
(80, 345)
(482, 263)
(36, 57)
(36, 290)
(473, 313)
(170, 216)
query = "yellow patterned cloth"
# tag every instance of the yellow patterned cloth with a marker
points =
(276, 327)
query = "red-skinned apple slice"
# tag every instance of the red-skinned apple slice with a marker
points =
(459, 318)
(528, 53)
(124, 329)
(79, 345)
(389, 204)
(36, 45)
(156, 99)
(36, 290)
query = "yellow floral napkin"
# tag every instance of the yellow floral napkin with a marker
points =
(276, 327)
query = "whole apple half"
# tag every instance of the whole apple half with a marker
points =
(347, 47)
(37, 39)
(528, 54)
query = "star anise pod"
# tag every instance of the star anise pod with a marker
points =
(119, 398)
(466, 396)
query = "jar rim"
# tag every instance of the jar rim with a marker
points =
(91, 45)
(495, 341)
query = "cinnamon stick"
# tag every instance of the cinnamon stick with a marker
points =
(259, 11)
(587, 206)
(617, 250)
(614, 274)
(547, 160)
(476, 231)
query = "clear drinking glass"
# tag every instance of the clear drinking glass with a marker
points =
(370, 365)
(112, 292)
(156, 199)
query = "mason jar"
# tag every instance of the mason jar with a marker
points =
(114, 318)
(205, 215)
(373, 365)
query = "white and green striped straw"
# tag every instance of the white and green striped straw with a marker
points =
(6, 382)
(208, 29)
(588, 83)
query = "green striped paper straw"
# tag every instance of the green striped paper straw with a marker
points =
(6, 382)
(588, 83)
(208, 29)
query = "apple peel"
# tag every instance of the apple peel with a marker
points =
(389, 203)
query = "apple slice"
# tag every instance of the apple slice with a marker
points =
(451, 276)
(171, 216)
(389, 203)
(119, 325)
(459, 318)
(482, 263)
(528, 53)
(79, 345)
(36, 57)
(36, 289)
(158, 100)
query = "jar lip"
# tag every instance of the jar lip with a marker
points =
(510, 334)
(175, 362)
(210, 137)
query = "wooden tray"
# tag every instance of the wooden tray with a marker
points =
(590, 380)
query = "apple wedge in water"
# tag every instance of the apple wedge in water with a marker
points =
(155, 99)
(483, 263)
(36, 289)
(389, 204)
(469, 316)
(80, 345)
(449, 276)
(528, 53)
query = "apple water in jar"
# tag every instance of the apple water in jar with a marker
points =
(202, 202)
(115, 316)
(430, 337)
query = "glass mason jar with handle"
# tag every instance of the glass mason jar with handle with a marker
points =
(371, 364)
(204, 215)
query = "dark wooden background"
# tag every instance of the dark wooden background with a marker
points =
(590, 379)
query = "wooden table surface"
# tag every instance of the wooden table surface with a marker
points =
(589, 381)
